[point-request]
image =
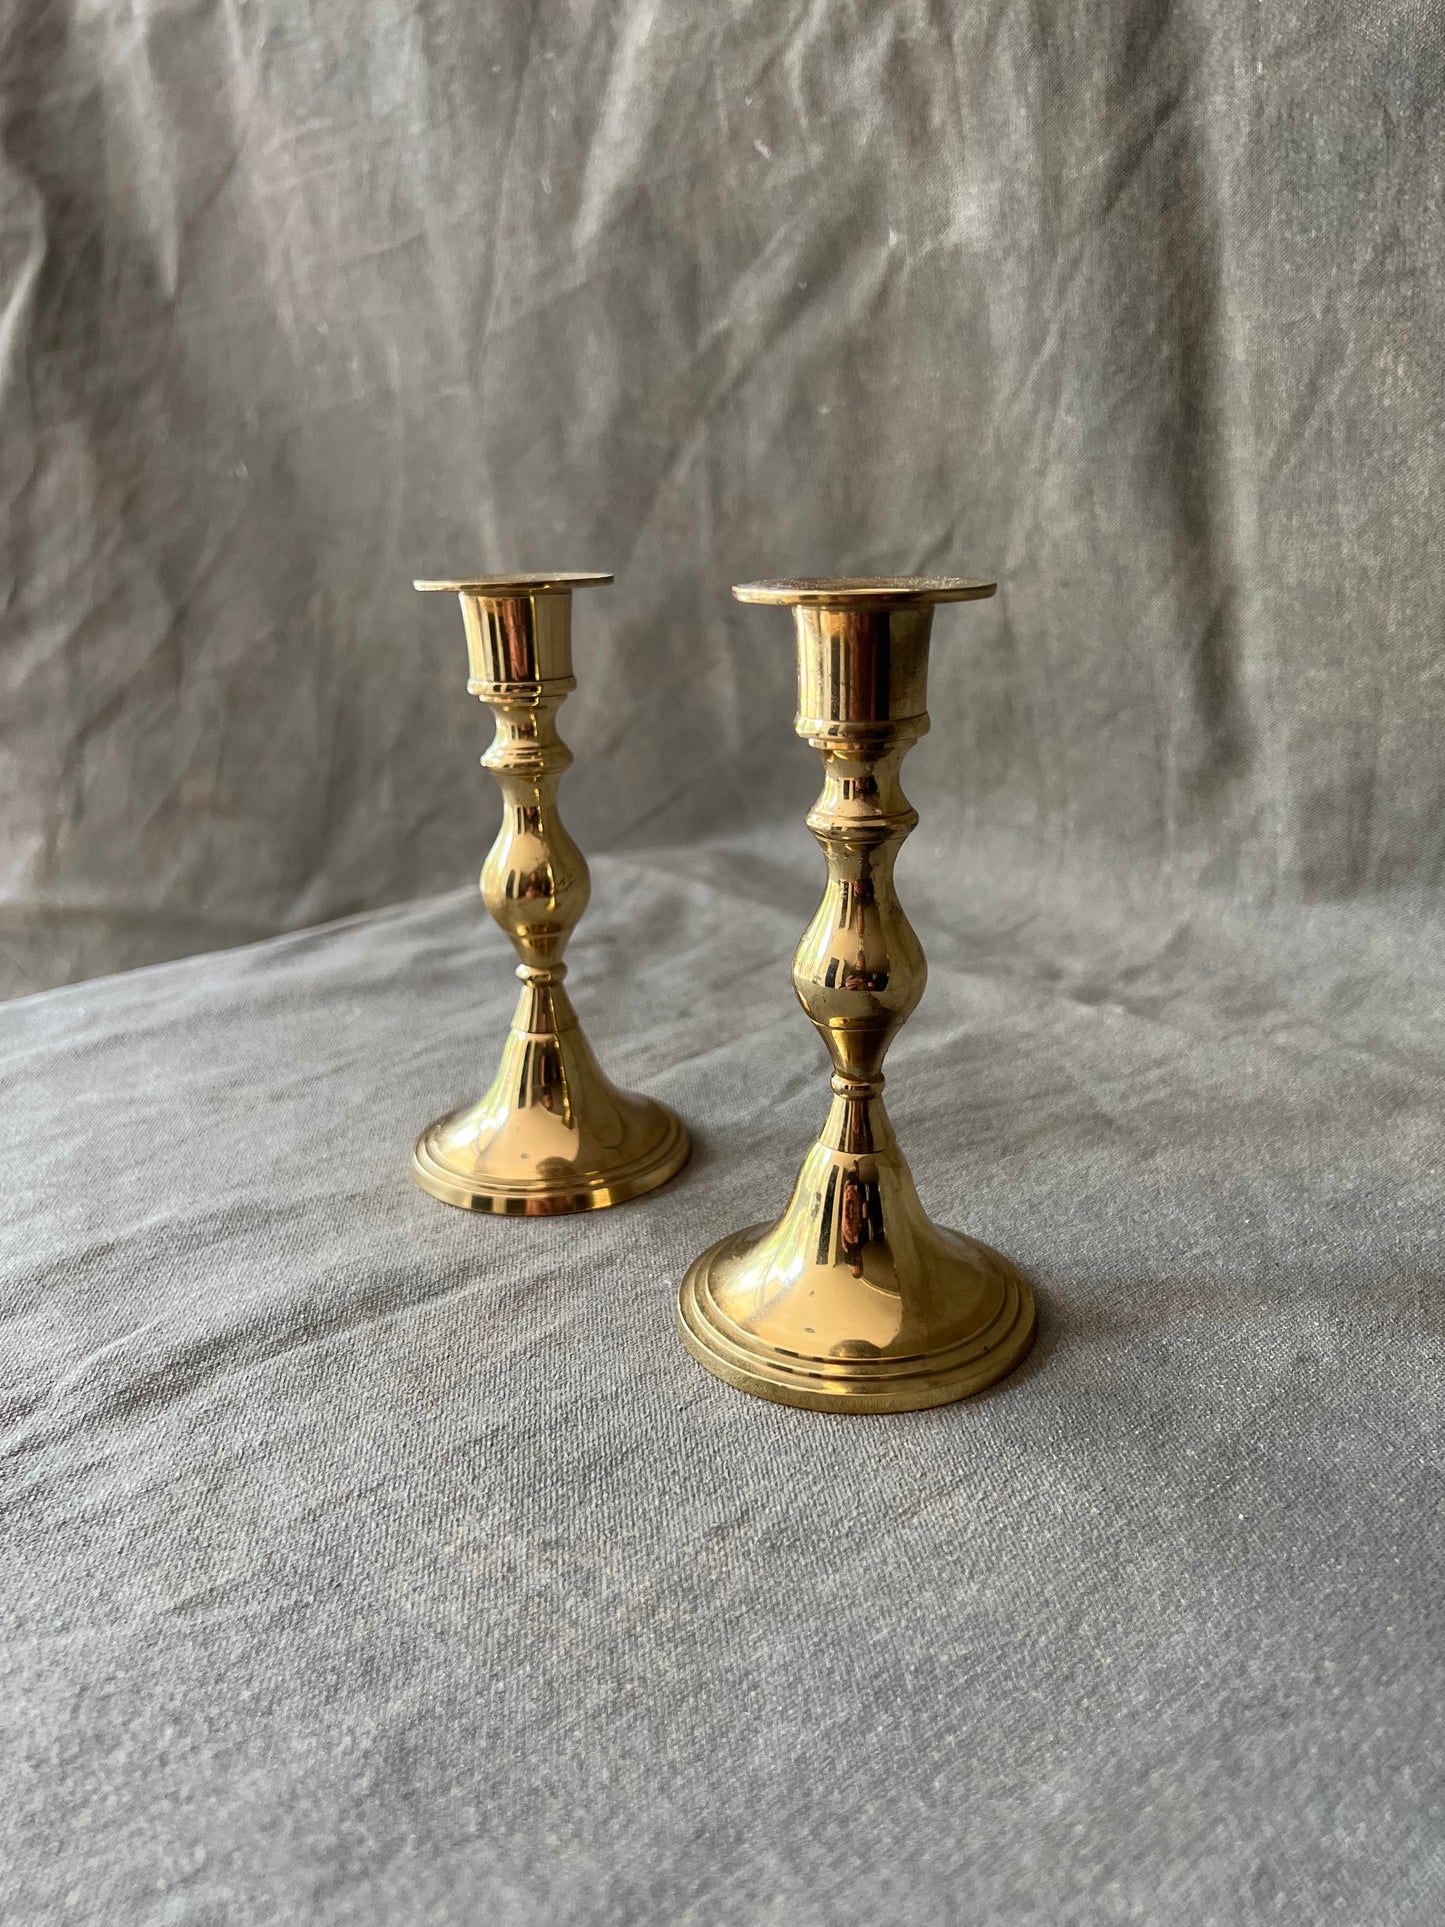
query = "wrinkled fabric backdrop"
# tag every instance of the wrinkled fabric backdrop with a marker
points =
(367, 1562)
(1135, 307)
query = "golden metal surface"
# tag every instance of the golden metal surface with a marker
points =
(853, 1300)
(552, 1134)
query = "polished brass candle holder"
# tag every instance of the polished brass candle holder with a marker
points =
(552, 1134)
(853, 1300)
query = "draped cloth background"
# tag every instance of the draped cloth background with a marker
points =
(1134, 307)
(374, 1563)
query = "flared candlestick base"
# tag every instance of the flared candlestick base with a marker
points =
(854, 1301)
(553, 1134)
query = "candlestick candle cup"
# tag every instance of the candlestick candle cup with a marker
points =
(853, 1300)
(553, 1133)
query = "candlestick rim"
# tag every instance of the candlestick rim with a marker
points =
(497, 588)
(865, 591)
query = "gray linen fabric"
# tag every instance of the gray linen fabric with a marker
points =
(369, 1562)
(1135, 306)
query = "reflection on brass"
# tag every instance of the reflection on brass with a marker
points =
(854, 1301)
(552, 1133)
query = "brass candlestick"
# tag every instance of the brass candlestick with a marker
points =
(552, 1133)
(853, 1301)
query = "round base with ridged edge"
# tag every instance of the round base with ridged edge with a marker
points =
(967, 1363)
(657, 1150)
